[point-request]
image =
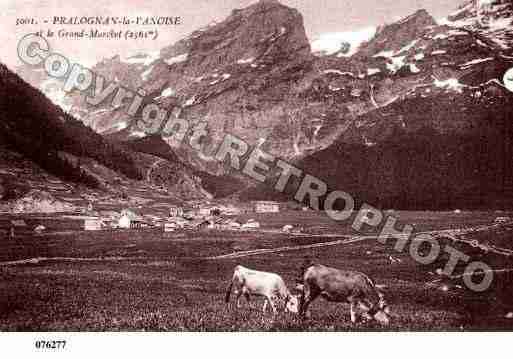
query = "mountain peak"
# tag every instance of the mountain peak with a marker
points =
(266, 31)
(396, 35)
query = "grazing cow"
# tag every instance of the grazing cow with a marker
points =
(337, 285)
(268, 285)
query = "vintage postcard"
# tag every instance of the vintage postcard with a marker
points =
(255, 166)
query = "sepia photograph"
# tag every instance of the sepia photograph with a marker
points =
(255, 166)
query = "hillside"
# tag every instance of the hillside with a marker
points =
(53, 141)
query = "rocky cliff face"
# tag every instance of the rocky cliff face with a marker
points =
(243, 75)
(240, 76)
(435, 126)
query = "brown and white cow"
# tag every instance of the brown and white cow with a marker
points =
(337, 285)
(268, 285)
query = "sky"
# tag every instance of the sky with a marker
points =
(321, 17)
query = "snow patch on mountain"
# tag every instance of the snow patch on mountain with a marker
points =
(371, 72)
(338, 72)
(221, 78)
(331, 43)
(138, 134)
(414, 69)
(468, 64)
(407, 47)
(419, 56)
(143, 58)
(394, 63)
(146, 73)
(246, 61)
(449, 84)
(177, 59)
(191, 101)
(167, 93)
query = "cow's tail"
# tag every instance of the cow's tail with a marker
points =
(228, 292)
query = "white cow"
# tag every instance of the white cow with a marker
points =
(268, 285)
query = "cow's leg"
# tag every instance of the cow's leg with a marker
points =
(271, 302)
(268, 301)
(309, 295)
(238, 295)
(353, 311)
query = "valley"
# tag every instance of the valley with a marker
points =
(153, 281)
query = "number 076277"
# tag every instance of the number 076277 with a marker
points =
(50, 344)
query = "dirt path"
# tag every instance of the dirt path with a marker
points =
(448, 233)
(291, 248)
(39, 260)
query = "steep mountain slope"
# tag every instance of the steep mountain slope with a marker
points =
(440, 133)
(34, 126)
(40, 131)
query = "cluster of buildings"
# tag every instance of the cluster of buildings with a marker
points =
(217, 217)
(193, 215)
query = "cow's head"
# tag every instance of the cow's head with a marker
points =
(292, 304)
(382, 315)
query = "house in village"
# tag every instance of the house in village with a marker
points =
(223, 224)
(124, 221)
(93, 224)
(204, 211)
(129, 220)
(200, 211)
(86, 223)
(251, 224)
(267, 207)
(174, 224)
(17, 226)
(175, 211)
(198, 223)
